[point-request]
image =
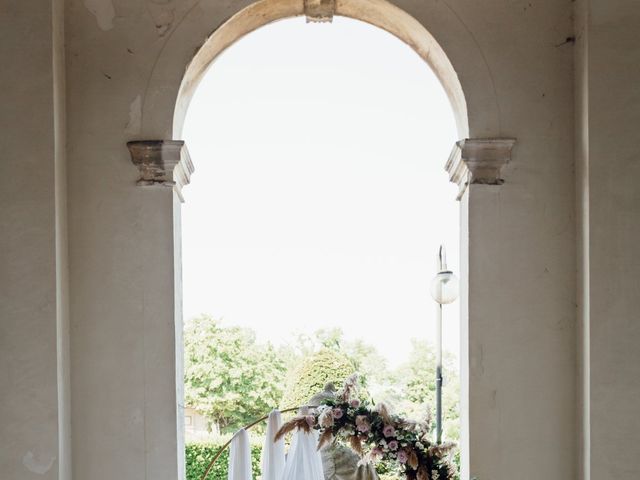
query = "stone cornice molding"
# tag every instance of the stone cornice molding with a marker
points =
(319, 10)
(478, 161)
(162, 162)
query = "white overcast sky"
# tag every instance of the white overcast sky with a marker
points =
(319, 197)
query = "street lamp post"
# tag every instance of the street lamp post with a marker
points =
(444, 290)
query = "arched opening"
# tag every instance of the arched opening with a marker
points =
(375, 12)
(188, 90)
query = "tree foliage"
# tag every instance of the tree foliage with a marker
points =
(418, 387)
(229, 377)
(233, 379)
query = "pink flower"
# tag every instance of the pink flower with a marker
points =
(337, 413)
(355, 403)
(393, 444)
(362, 423)
(402, 456)
(376, 452)
(364, 428)
(311, 420)
(389, 431)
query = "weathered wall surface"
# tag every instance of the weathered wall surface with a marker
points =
(522, 272)
(34, 428)
(518, 74)
(521, 252)
(610, 113)
(121, 251)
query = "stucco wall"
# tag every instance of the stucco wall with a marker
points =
(521, 252)
(517, 75)
(610, 114)
(121, 252)
(124, 63)
(33, 375)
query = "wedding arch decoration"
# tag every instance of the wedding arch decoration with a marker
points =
(372, 432)
(375, 434)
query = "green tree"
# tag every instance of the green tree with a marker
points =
(418, 387)
(368, 362)
(229, 376)
(381, 384)
(315, 371)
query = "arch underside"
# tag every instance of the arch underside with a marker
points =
(376, 12)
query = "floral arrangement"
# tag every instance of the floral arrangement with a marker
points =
(375, 434)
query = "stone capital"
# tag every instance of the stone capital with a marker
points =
(319, 10)
(162, 163)
(479, 161)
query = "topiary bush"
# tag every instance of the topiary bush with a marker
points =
(198, 456)
(314, 373)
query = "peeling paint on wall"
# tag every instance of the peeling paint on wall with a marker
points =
(163, 17)
(39, 464)
(134, 125)
(104, 12)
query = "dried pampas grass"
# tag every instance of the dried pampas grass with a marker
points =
(412, 460)
(441, 450)
(423, 474)
(356, 444)
(296, 422)
(383, 410)
(325, 438)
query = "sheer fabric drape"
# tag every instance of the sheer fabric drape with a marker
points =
(273, 459)
(303, 460)
(240, 457)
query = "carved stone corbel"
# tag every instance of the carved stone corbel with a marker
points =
(319, 10)
(478, 161)
(162, 162)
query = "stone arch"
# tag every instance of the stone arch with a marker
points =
(455, 57)
(462, 70)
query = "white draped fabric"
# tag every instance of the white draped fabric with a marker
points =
(240, 457)
(272, 460)
(304, 460)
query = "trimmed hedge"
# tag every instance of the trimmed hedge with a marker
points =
(198, 456)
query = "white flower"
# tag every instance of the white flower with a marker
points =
(325, 418)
